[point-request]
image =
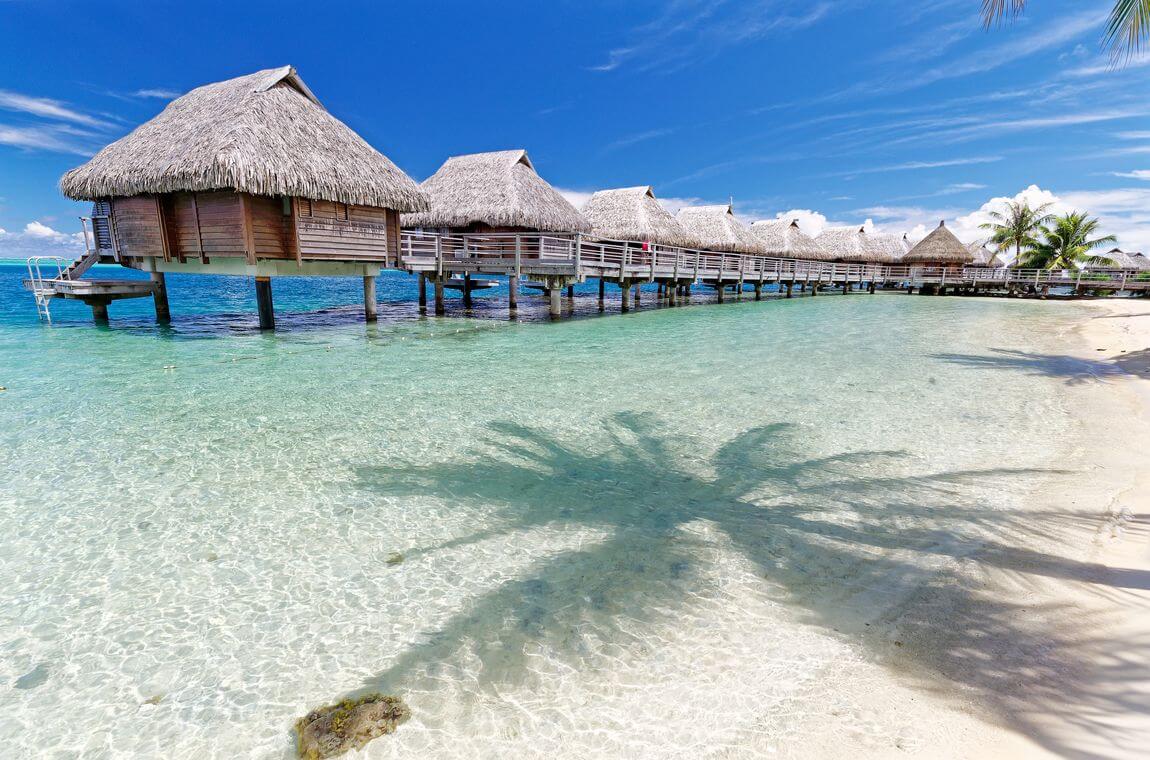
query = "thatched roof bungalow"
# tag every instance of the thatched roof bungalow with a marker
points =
(494, 192)
(885, 247)
(783, 239)
(983, 256)
(1119, 259)
(253, 168)
(633, 213)
(939, 249)
(843, 243)
(717, 229)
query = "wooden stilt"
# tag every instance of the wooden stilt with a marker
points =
(625, 294)
(720, 291)
(466, 290)
(439, 306)
(160, 297)
(790, 287)
(556, 309)
(370, 310)
(422, 293)
(638, 293)
(758, 291)
(264, 303)
(99, 310)
(814, 289)
(571, 292)
(513, 293)
(602, 294)
(871, 287)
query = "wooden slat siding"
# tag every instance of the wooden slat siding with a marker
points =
(267, 223)
(220, 228)
(336, 232)
(169, 227)
(195, 204)
(393, 237)
(138, 226)
(295, 211)
(249, 239)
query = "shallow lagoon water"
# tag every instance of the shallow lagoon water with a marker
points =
(664, 534)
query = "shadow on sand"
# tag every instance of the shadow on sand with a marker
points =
(1072, 369)
(829, 537)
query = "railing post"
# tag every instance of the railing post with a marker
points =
(578, 254)
(438, 255)
(518, 255)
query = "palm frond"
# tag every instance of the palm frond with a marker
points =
(996, 11)
(1127, 29)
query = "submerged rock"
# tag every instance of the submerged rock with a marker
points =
(33, 678)
(349, 724)
(395, 558)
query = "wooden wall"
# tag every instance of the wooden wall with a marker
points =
(223, 223)
(341, 232)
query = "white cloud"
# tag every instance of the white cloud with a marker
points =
(47, 108)
(1136, 174)
(158, 93)
(44, 137)
(917, 165)
(691, 30)
(38, 239)
(625, 142)
(810, 222)
(577, 198)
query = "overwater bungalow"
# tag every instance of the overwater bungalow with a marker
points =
(783, 239)
(984, 258)
(250, 176)
(939, 250)
(717, 229)
(493, 207)
(631, 223)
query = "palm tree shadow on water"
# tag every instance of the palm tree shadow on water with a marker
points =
(830, 535)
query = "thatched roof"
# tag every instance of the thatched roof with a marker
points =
(499, 189)
(885, 247)
(1123, 260)
(843, 243)
(983, 256)
(939, 247)
(717, 229)
(784, 239)
(264, 133)
(633, 213)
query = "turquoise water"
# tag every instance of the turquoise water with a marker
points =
(676, 533)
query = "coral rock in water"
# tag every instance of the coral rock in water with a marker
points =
(352, 723)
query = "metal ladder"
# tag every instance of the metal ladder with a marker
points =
(42, 291)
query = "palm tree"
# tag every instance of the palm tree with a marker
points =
(1017, 226)
(1126, 31)
(1067, 242)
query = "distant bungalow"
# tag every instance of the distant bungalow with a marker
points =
(983, 257)
(492, 193)
(633, 213)
(783, 239)
(1119, 259)
(633, 217)
(247, 176)
(940, 250)
(718, 230)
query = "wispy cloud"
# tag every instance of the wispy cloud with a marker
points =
(692, 30)
(919, 165)
(44, 137)
(158, 93)
(1136, 174)
(48, 108)
(628, 141)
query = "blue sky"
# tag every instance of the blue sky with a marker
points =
(830, 111)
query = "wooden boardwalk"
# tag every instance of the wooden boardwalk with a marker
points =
(562, 261)
(557, 262)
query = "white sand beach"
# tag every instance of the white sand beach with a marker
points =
(1077, 682)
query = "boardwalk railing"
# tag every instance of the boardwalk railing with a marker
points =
(587, 256)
